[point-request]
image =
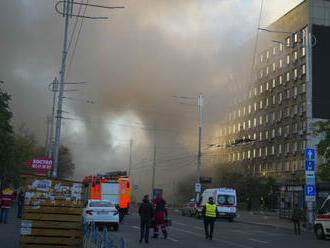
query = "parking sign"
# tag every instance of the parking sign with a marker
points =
(310, 192)
(309, 165)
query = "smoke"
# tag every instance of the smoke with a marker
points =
(134, 63)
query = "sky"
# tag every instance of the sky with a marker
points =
(134, 63)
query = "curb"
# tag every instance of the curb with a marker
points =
(270, 225)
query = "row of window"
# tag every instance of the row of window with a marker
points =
(286, 111)
(292, 165)
(271, 150)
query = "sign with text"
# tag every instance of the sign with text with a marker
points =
(198, 187)
(309, 153)
(41, 164)
(310, 192)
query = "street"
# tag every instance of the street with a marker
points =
(189, 232)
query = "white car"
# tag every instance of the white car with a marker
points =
(322, 222)
(101, 212)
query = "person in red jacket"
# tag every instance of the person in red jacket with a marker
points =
(6, 197)
(160, 212)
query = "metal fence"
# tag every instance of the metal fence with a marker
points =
(94, 238)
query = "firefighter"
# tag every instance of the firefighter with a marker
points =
(210, 213)
(160, 211)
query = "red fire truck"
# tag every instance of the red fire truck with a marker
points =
(112, 186)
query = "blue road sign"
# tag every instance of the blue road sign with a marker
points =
(310, 190)
(310, 180)
(309, 165)
(309, 153)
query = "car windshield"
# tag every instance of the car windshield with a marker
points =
(226, 199)
(101, 204)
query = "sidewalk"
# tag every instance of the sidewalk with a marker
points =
(259, 218)
(9, 233)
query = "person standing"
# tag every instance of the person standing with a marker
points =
(146, 213)
(210, 213)
(297, 216)
(20, 203)
(6, 197)
(160, 209)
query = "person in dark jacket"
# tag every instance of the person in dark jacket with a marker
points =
(210, 214)
(20, 203)
(146, 213)
(297, 216)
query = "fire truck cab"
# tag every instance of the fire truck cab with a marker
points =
(112, 186)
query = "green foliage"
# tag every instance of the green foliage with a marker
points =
(7, 140)
(323, 149)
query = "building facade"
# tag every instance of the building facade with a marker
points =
(267, 130)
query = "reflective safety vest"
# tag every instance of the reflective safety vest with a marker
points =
(211, 210)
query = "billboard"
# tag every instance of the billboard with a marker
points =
(41, 164)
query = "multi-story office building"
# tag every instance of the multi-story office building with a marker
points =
(267, 130)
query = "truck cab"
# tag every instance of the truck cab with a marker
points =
(322, 221)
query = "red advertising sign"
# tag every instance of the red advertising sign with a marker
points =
(41, 164)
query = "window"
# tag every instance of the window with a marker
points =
(267, 55)
(254, 136)
(303, 88)
(287, 41)
(267, 70)
(273, 133)
(281, 63)
(280, 97)
(266, 135)
(249, 108)
(234, 128)
(243, 125)
(266, 151)
(280, 114)
(273, 150)
(295, 38)
(260, 120)
(261, 73)
(239, 112)
(287, 110)
(260, 136)
(280, 79)
(274, 83)
(287, 147)
(260, 104)
(295, 91)
(274, 100)
(295, 55)
(249, 124)
(296, 109)
(249, 154)
(254, 122)
(288, 59)
(273, 116)
(267, 102)
(254, 153)
(255, 91)
(279, 148)
(260, 89)
(303, 51)
(288, 76)
(255, 106)
(288, 93)
(281, 47)
(274, 67)
(267, 118)
(261, 58)
(274, 50)
(303, 69)
(279, 131)
(267, 86)
(260, 152)
(303, 106)
(295, 73)
(287, 129)
(295, 127)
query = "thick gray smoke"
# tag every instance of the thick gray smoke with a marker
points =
(134, 63)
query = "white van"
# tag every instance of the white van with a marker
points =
(225, 199)
(322, 222)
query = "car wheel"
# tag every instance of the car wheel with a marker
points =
(319, 232)
(116, 226)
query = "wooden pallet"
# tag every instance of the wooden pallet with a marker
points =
(51, 215)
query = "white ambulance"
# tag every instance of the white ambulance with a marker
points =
(225, 199)
(322, 222)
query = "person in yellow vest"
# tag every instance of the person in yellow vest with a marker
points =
(210, 213)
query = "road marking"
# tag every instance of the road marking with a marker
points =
(174, 240)
(175, 222)
(259, 241)
(136, 227)
(198, 227)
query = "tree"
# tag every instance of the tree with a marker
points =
(323, 149)
(7, 140)
(65, 165)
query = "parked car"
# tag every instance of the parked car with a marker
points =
(101, 212)
(322, 222)
(188, 209)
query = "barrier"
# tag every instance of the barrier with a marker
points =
(94, 238)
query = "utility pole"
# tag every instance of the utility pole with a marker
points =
(200, 110)
(154, 159)
(67, 11)
(47, 135)
(130, 157)
(52, 120)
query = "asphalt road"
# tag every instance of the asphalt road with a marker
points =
(188, 232)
